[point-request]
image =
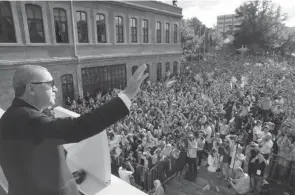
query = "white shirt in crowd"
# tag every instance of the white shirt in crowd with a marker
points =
(213, 163)
(237, 160)
(266, 147)
(224, 129)
(125, 175)
(192, 149)
(257, 131)
(208, 132)
(242, 185)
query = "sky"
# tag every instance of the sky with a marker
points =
(208, 10)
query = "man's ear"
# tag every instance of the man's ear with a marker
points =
(30, 90)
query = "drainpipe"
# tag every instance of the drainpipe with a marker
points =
(78, 68)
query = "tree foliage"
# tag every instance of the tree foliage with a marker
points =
(194, 35)
(263, 27)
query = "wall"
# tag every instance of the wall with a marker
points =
(25, 50)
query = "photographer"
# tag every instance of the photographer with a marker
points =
(192, 157)
(256, 170)
(124, 174)
(224, 151)
(200, 149)
(241, 185)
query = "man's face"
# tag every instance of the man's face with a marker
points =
(44, 92)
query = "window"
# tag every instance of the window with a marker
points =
(159, 71)
(82, 26)
(145, 29)
(159, 32)
(61, 25)
(167, 66)
(175, 68)
(167, 30)
(67, 86)
(7, 31)
(147, 71)
(119, 29)
(134, 68)
(35, 23)
(101, 28)
(175, 33)
(103, 78)
(133, 26)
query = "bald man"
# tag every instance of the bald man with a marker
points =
(30, 153)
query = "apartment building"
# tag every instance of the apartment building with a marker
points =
(228, 22)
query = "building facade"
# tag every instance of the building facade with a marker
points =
(229, 22)
(88, 46)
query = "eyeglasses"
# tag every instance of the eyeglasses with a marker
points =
(51, 83)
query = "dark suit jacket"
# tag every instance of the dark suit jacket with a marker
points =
(30, 153)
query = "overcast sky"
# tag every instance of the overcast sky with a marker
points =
(208, 10)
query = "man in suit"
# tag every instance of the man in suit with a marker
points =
(31, 154)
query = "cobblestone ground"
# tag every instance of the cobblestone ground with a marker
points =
(180, 186)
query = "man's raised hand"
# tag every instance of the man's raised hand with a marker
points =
(133, 85)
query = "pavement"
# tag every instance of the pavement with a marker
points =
(180, 186)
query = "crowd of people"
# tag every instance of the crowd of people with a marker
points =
(234, 116)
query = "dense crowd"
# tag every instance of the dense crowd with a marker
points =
(238, 112)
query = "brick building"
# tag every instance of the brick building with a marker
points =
(87, 46)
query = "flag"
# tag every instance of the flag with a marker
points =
(170, 83)
(206, 98)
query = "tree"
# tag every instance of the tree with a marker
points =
(262, 26)
(192, 33)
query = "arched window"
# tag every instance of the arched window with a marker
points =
(101, 28)
(82, 26)
(7, 32)
(134, 68)
(175, 33)
(133, 26)
(159, 71)
(167, 66)
(67, 86)
(159, 35)
(175, 68)
(167, 30)
(147, 71)
(61, 25)
(119, 29)
(145, 30)
(35, 23)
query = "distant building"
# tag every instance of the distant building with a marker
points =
(88, 46)
(228, 22)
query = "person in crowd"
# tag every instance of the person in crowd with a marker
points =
(200, 149)
(214, 165)
(159, 190)
(124, 174)
(224, 151)
(241, 184)
(236, 161)
(257, 130)
(256, 170)
(192, 157)
(223, 129)
(22, 143)
(266, 144)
